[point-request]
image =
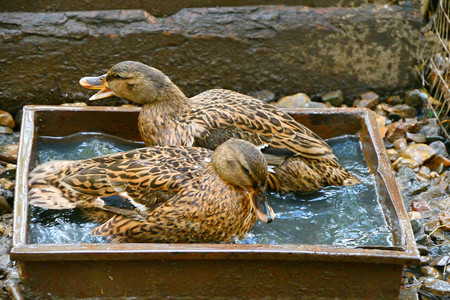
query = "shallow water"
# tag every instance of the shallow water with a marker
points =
(346, 216)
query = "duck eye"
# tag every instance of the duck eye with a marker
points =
(114, 76)
(130, 84)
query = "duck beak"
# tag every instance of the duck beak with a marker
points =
(97, 83)
(261, 206)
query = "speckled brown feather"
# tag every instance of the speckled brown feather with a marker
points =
(47, 190)
(168, 117)
(217, 115)
(185, 198)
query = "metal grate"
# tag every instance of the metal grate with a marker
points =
(434, 69)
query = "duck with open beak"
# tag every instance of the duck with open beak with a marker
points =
(97, 83)
(299, 159)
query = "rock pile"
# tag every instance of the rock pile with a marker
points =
(419, 152)
(416, 146)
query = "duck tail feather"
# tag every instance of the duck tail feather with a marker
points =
(49, 197)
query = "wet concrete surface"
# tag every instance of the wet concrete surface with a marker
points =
(161, 8)
(284, 48)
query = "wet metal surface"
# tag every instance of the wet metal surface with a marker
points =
(208, 270)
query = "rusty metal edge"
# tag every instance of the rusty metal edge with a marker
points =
(21, 186)
(386, 173)
(133, 251)
(24, 252)
(38, 107)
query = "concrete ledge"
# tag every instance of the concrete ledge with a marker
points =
(162, 8)
(280, 48)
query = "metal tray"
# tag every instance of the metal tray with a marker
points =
(145, 271)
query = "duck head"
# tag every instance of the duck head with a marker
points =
(134, 81)
(240, 163)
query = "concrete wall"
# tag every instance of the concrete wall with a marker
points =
(286, 49)
(161, 8)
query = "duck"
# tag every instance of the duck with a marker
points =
(181, 194)
(299, 160)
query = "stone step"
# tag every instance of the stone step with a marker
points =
(160, 8)
(285, 49)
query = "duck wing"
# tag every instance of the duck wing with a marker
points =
(245, 117)
(148, 176)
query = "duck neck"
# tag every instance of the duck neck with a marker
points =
(160, 117)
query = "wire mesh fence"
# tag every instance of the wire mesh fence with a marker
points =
(434, 69)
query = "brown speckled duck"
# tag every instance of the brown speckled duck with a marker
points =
(299, 159)
(184, 194)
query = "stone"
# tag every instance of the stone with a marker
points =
(414, 215)
(6, 119)
(335, 98)
(408, 182)
(8, 171)
(431, 139)
(424, 171)
(423, 250)
(430, 129)
(380, 111)
(387, 144)
(8, 152)
(422, 239)
(433, 193)
(4, 263)
(5, 208)
(392, 154)
(402, 162)
(444, 218)
(400, 144)
(439, 236)
(9, 138)
(6, 130)
(294, 101)
(438, 287)
(416, 224)
(441, 204)
(381, 121)
(415, 98)
(8, 195)
(394, 100)
(6, 184)
(416, 137)
(314, 104)
(420, 206)
(75, 104)
(367, 100)
(426, 260)
(399, 129)
(418, 152)
(263, 95)
(410, 277)
(406, 174)
(438, 163)
(441, 261)
(403, 110)
(431, 226)
(394, 117)
(440, 148)
(430, 271)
